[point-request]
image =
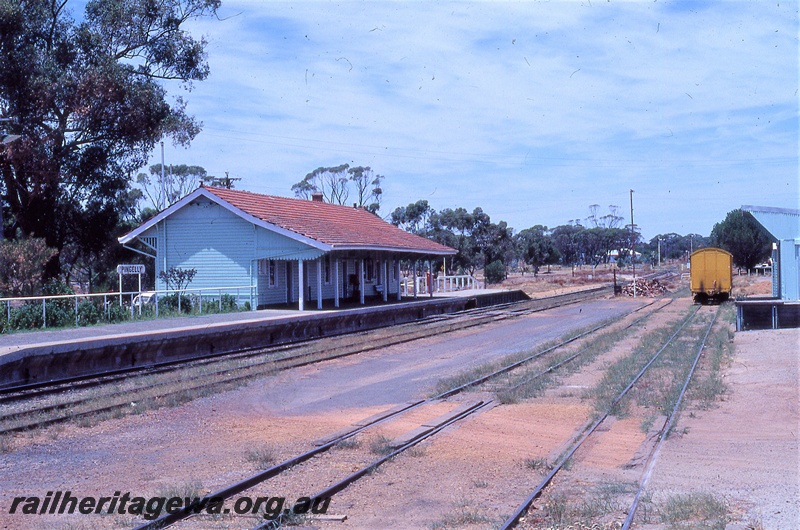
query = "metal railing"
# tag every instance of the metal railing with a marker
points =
(113, 304)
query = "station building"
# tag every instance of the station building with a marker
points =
(783, 309)
(783, 224)
(289, 251)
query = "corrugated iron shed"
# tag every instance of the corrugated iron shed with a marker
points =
(783, 224)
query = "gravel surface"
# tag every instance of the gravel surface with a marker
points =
(206, 441)
(470, 476)
(746, 449)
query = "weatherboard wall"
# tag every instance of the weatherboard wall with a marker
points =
(224, 249)
(218, 244)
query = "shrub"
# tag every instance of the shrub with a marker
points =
(60, 313)
(89, 313)
(117, 313)
(56, 287)
(495, 272)
(229, 303)
(212, 305)
(170, 302)
(28, 316)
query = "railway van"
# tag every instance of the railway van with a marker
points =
(711, 272)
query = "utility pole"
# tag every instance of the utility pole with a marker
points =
(163, 183)
(633, 251)
(659, 252)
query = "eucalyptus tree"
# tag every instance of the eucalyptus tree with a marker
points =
(741, 235)
(335, 183)
(164, 186)
(414, 218)
(536, 247)
(87, 93)
(331, 182)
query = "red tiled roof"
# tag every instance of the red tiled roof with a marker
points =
(332, 224)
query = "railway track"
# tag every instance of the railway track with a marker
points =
(560, 464)
(43, 404)
(470, 317)
(339, 485)
(276, 470)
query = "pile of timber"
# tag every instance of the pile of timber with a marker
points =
(645, 287)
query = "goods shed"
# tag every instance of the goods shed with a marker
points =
(291, 250)
(783, 224)
(783, 311)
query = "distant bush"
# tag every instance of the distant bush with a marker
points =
(495, 272)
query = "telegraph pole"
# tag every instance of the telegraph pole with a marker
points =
(659, 252)
(163, 184)
(633, 252)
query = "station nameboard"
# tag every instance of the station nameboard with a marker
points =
(130, 269)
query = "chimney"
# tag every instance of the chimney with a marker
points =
(317, 197)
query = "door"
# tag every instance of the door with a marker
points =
(344, 279)
(289, 289)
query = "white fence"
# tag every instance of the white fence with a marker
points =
(136, 301)
(441, 284)
(457, 283)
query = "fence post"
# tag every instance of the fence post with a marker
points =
(8, 308)
(220, 300)
(76, 310)
(179, 302)
(156, 295)
(132, 314)
(200, 294)
(106, 311)
(44, 314)
(237, 298)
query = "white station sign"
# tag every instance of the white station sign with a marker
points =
(130, 269)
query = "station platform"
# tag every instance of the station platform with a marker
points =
(28, 357)
(14, 341)
(768, 313)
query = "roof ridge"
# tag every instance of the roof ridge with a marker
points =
(281, 197)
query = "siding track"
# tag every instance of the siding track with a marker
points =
(516, 516)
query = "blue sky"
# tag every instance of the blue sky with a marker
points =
(531, 110)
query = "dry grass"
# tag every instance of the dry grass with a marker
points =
(380, 445)
(263, 456)
(696, 510)
(465, 514)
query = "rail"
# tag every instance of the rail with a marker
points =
(171, 518)
(513, 520)
(665, 431)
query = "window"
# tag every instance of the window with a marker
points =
(268, 267)
(273, 273)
